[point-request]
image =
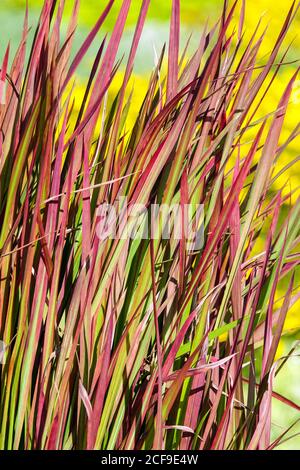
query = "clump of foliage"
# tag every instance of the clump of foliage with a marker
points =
(143, 344)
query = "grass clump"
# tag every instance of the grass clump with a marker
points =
(143, 343)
